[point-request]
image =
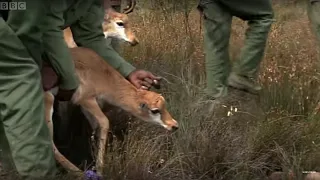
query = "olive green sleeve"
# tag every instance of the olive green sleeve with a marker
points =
(87, 32)
(56, 49)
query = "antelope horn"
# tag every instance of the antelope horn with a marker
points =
(131, 5)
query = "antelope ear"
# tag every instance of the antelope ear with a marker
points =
(160, 102)
(110, 11)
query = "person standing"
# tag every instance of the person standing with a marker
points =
(218, 16)
(313, 10)
(25, 140)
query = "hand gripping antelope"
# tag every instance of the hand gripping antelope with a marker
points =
(100, 82)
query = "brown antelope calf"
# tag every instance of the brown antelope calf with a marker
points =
(100, 82)
(115, 25)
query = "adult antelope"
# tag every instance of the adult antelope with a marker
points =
(100, 82)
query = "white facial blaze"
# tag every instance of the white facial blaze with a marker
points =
(156, 118)
(119, 32)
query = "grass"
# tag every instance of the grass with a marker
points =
(246, 145)
(242, 146)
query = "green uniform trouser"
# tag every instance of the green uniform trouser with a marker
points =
(313, 8)
(25, 138)
(217, 28)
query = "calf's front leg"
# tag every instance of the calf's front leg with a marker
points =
(91, 106)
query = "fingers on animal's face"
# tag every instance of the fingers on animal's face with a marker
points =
(145, 83)
(155, 81)
(148, 80)
(136, 83)
(144, 87)
(157, 85)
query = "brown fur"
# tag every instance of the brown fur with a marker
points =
(68, 38)
(92, 70)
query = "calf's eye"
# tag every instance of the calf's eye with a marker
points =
(155, 111)
(120, 23)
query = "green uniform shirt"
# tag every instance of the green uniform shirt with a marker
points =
(84, 17)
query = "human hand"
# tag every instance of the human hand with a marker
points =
(144, 79)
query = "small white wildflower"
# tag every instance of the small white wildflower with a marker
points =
(161, 161)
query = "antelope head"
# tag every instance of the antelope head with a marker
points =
(151, 108)
(116, 25)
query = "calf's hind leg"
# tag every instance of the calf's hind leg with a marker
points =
(49, 101)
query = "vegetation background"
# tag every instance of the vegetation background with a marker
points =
(245, 145)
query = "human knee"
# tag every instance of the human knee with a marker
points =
(214, 11)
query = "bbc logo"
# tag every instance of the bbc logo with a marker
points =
(13, 5)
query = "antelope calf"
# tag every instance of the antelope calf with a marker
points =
(100, 82)
(115, 25)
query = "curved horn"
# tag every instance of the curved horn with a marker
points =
(131, 5)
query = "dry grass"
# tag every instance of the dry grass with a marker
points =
(237, 147)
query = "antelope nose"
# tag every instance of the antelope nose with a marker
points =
(174, 128)
(134, 42)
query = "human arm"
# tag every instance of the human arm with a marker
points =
(56, 49)
(87, 32)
